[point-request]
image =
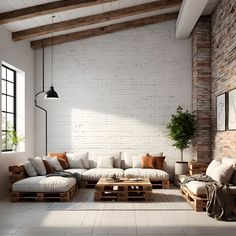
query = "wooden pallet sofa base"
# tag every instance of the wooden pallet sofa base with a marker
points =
(197, 203)
(165, 184)
(17, 173)
(43, 197)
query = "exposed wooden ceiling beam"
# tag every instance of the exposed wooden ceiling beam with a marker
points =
(102, 30)
(93, 19)
(45, 9)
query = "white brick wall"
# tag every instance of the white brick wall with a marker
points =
(117, 91)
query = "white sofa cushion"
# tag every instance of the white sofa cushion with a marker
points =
(211, 167)
(93, 158)
(198, 188)
(30, 169)
(152, 174)
(38, 165)
(53, 184)
(229, 161)
(72, 157)
(74, 160)
(95, 174)
(223, 173)
(54, 163)
(105, 162)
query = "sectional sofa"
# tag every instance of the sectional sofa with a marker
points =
(32, 180)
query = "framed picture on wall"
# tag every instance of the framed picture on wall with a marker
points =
(220, 112)
(232, 110)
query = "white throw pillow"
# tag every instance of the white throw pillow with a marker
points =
(105, 162)
(38, 165)
(74, 160)
(137, 160)
(83, 157)
(223, 173)
(229, 161)
(54, 163)
(30, 169)
(212, 166)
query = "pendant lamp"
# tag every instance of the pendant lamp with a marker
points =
(51, 93)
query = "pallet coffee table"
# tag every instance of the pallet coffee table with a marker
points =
(123, 190)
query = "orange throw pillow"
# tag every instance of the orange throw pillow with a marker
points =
(48, 167)
(61, 155)
(147, 162)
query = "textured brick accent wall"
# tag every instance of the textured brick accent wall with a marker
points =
(117, 92)
(223, 71)
(202, 89)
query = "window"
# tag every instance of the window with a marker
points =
(8, 106)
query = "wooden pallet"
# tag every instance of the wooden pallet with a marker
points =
(197, 203)
(155, 184)
(123, 191)
(197, 167)
(42, 197)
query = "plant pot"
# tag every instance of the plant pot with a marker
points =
(181, 168)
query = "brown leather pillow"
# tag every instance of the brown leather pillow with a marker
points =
(158, 162)
(63, 163)
(61, 155)
(147, 162)
(48, 167)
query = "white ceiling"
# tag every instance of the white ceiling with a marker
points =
(9, 5)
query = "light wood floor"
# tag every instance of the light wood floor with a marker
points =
(35, 219)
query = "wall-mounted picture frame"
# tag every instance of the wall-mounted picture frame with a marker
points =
(220, 112)
(232, 109)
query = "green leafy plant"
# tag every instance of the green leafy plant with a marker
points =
(181, 129)
(14, 138)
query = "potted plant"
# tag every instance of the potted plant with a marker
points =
(181, 130)
(14, 139)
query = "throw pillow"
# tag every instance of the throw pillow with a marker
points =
(83, 157)
(105, 162)
(74, 161)
(64, 164)
(54, 163)
(229, 161)
(60, 155)
(147, 162)
(223, 173)
(38, 165)
(30, 169)
(48, 167)
(211, 167)
(159, 162)
(137, 160)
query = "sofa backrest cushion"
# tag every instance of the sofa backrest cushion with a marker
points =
(105, 162)
(212, 166)
(223, 173)
(78, 160)
(94, 156)
(30, 169)
(48, 167)
(38, 165)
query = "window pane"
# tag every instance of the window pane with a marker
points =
(10, 75)
(4, 86)
(4, 121)
(10, 104)
(4, 147)
(3, 72)
(10, 121)
(10, 88)
(8, 143)
(3, 102)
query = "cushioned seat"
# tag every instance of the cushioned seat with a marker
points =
(44, 184)
(78, 171)
(152, 174)
(197, 188)
(96, 173)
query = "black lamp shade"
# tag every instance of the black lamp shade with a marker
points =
(51, 93)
